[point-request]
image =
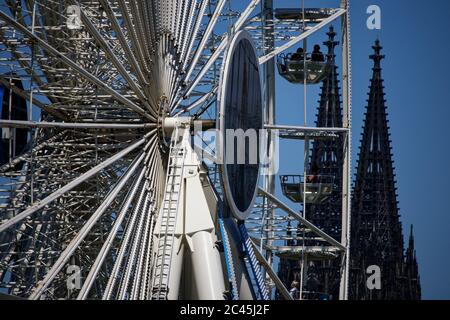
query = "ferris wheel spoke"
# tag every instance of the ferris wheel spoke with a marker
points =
(185, 28)
(89, 281)
(139, 11)
(150, 155)
(194, 33)
(153, 166)
(205, 37)
(137, 46)
(126, 247)
(205, 99)
(114, 275)
(83, 72)
(124, 43)
(68, 125)
(134, 274)
(218, 51)
(111, 55)
(22, 60)
(75, 243)
(26, 95)
(55, 195)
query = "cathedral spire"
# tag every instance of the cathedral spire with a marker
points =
(376, 228)
(412, 287)
(331, 44)
(377, 56)
(411, 238)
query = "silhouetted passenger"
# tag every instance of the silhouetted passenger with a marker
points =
(299, 55)
(294, 292)
(314, 176)
(317, 55)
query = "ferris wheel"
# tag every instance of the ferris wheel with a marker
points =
(108, 187)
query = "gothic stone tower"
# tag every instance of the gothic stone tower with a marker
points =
(376, 233)
(411, 271)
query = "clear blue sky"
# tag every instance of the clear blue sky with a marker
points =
(415, 37)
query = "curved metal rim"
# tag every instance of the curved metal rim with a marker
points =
(238, 214)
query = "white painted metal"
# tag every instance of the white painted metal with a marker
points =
(347, 173)
(18, 218)
(39, 290)
(186, 227)
(225, 82)
(302, 36)
(167, 240)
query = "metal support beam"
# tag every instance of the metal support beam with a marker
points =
(102, 85)
(205, 37)
(123, 42)
(239, 24)
(267, 266)
(346, 174)
(298, 217)
(269, 105)
(74, 244)
(110, 54)
(58, 193)
(301, 37)
(66, 125)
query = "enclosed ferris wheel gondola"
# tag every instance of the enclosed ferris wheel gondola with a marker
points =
(300, 71)
(315, 189)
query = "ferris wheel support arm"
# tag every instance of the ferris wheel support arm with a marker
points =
(139, 12)
(74, 244)
(302, 36)
(55, 195)
(123, 246)
(128, 103)
(308, 224)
